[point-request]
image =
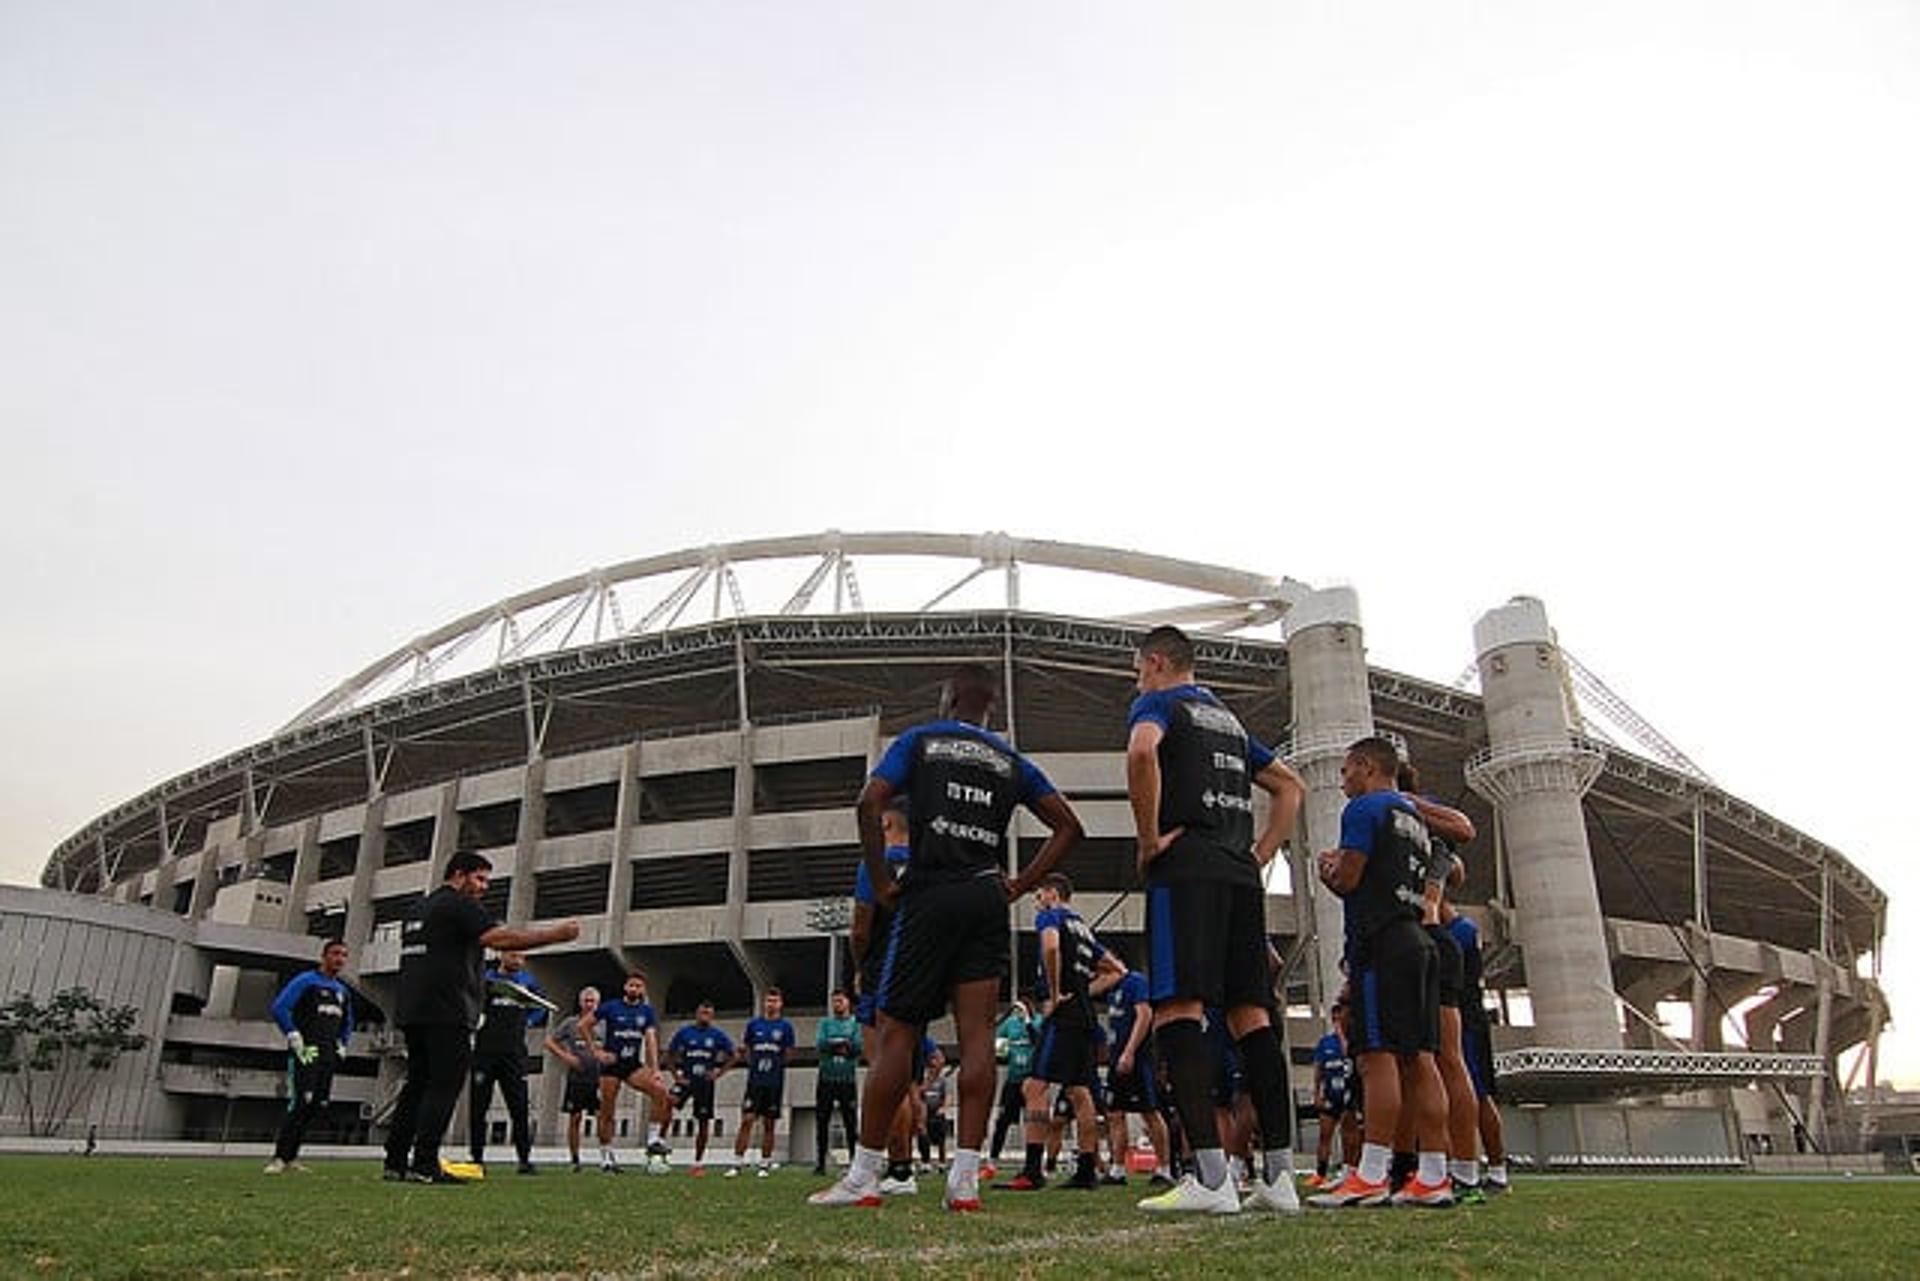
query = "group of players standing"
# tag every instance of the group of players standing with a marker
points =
(931, 934)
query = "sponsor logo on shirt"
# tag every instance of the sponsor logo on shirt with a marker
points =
(968, 751)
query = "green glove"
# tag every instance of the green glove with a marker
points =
(307, 1055)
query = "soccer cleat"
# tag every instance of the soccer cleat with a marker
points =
(898, 1187)
(697, 1172)
(1190, 1196)
(1277, 1196)
(440, 1176)
(658, 1147)
(963, 1204)
(275, 1166)
(391, 1174)
(1113, 1179)
(1470, 1195)
(764, 1172)
(1495, 1187)
(1315, 1182)
(989, 1171)
(847, 1192)
(299, 1167)
(1022, 1182)
(1431, 1196)
(525, 1167)
(733, 1172)
(1352, 1191)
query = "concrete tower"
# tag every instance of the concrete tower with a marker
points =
(1331, 708)
(1535, 774)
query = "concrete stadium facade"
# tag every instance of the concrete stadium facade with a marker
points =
(684, 788)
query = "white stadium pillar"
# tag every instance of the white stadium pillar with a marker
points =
(1535, 773)
(1327, 664)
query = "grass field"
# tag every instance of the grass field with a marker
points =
(113, 1217)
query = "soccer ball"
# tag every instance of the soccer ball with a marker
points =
(659, 1165)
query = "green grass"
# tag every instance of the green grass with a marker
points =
(109, 1217)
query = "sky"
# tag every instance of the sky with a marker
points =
(324, 324)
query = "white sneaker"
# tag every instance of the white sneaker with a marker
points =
(898, 1187)
(275, 1166)
(1278, 1196)
(763, 1172)
(847, 1192)
(733, 1172)
(1194, 1197)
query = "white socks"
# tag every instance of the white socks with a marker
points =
(1433, 1168)
(868, 1165)
(1375, 1160)
(1279, 1164)
(1465, 1173)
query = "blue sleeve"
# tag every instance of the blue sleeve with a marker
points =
(1152, 707)
(1047, 918)
(289, 997)
(862, 884)
(726, 1045)
(678, 1042)
(1259, 755)
(1034, 785)
(896, 767)
(1359, 821)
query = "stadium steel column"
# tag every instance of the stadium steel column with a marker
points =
(1535, 774)
(1332, 707)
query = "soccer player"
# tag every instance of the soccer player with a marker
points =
(1332, 1077)
(500, 1057)
(872, 923)
(838, 1041)
(1191, 766)
(1131, 1085)
(700, 1054)
(1379, 873)
(768, 1041)
(932, 1111)
(1074, 968)
(949, 938)
(1477, 1047)
(633, 1034)
(1015, 1033)
(441, 992)
(1445, 870)
(315, 1013)
(576, 1042)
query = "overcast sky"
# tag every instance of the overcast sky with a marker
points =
(325, 323)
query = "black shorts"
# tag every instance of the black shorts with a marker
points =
(1476, 1043)
(1452, 967)
(1135, 1091)
(1207, 940)
(1396, 993)
(697, 1090)
(763, 1099)
(945, 933)
(582, 1096)
(828, 1094)
(1065, 1056)
(936, 1128)
(1336, 1105)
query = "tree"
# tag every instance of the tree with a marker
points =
(52, 1053)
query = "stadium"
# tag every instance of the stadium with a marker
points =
(668, 749)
